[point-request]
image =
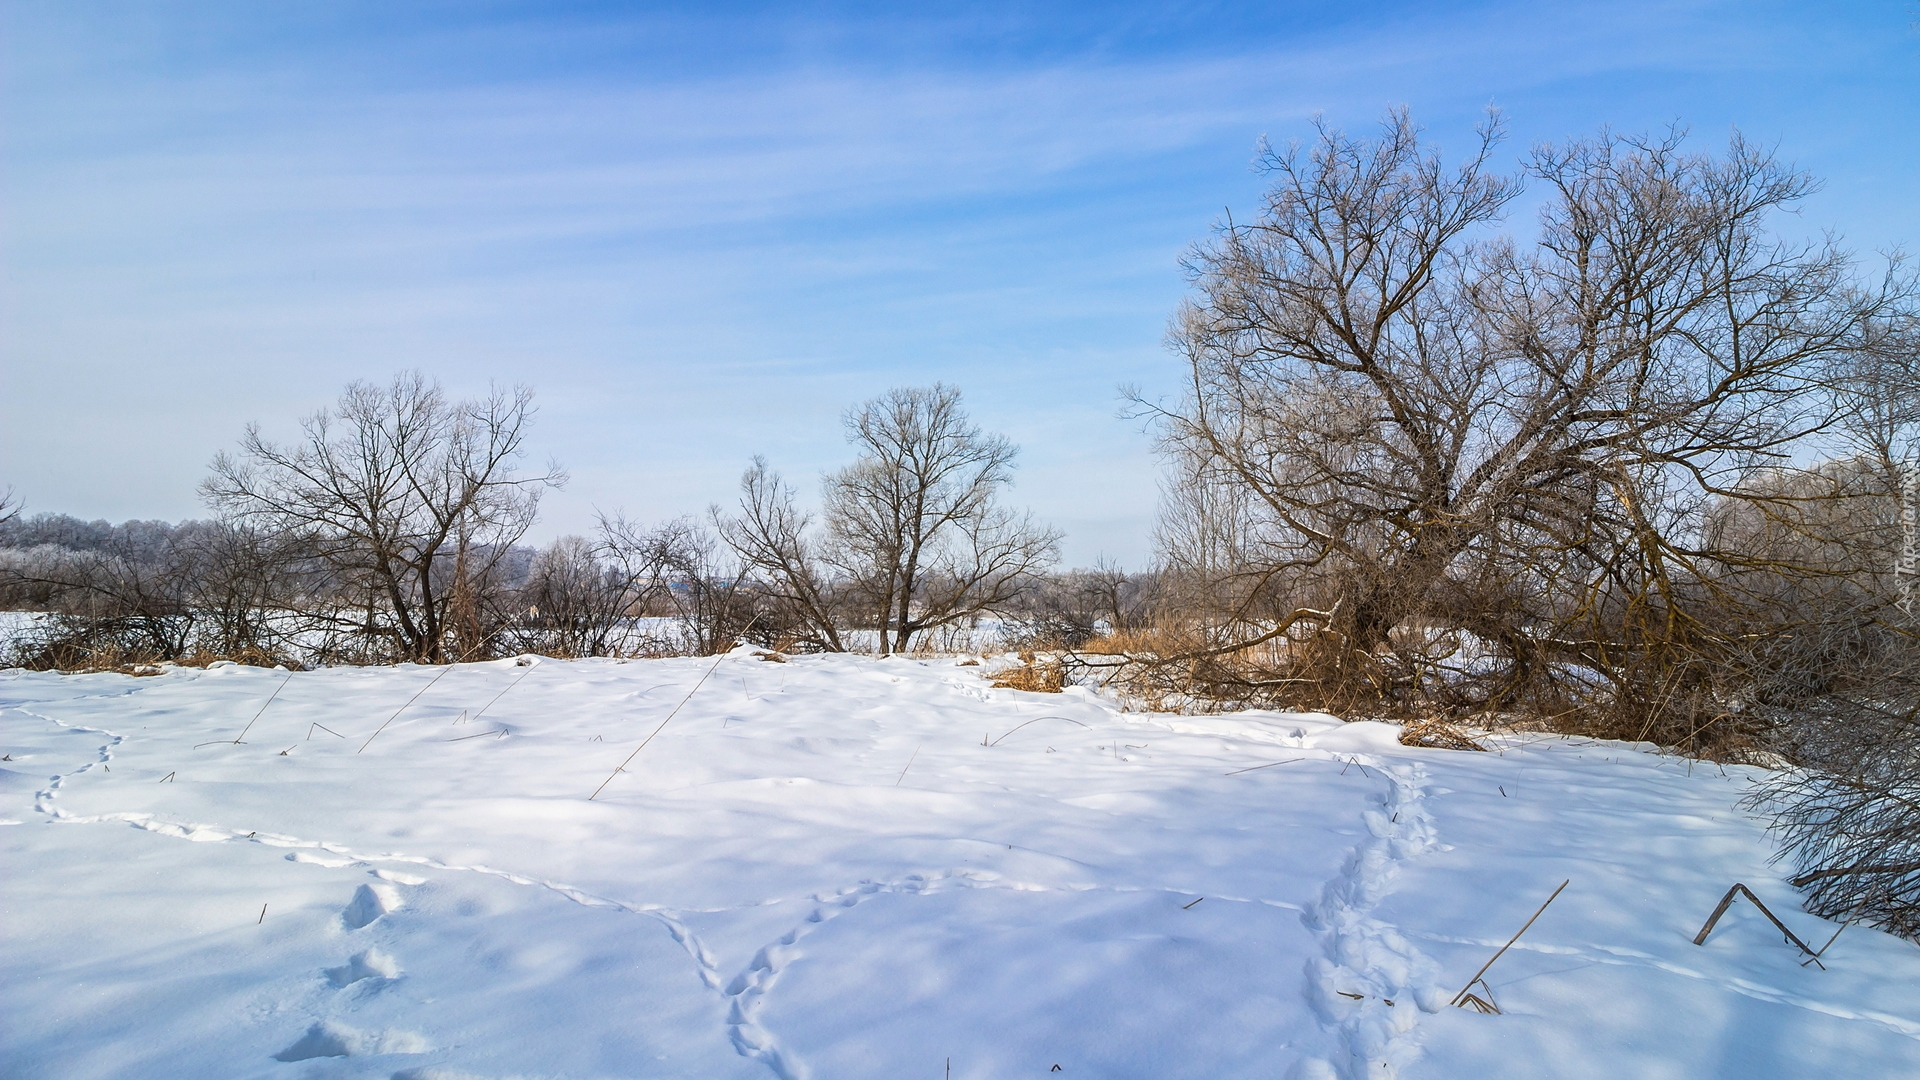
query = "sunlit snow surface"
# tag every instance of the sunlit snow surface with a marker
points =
(764, 892)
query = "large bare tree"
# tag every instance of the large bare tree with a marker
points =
(1419, 417)
(409, 497)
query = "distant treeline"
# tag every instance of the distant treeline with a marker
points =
(145, 592)
(392, 532)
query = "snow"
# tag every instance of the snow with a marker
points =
(847, 867)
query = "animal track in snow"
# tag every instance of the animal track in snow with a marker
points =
(43, 799)
(328, 1039)
(331, 862)
(1371, 983)
(369, 903)
(370, 964)
(747, 989)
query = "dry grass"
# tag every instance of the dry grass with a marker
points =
(1033, 675)
(1437, 735)
(1149, 641)
(71, 658)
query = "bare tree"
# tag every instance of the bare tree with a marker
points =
(1877, 390)
(682, 568)
(1418, 419)
(129, 598)
(243, 586)
(706, 586)
(1069, 609)
(771, 537)
(409, 497)
(574, 602)
(913, 522)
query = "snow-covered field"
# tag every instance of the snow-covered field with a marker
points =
(846, 867)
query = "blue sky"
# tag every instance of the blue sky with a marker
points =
(702, 232)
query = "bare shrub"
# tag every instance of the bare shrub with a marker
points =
(1849, 811)
(1069, 610)
(143, 592)
(573, 602)
(802, 605)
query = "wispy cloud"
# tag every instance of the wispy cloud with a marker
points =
(696, 261)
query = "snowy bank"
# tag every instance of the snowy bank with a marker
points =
(846, 867)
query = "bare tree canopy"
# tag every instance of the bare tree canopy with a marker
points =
(409, 497)
(914, 522)
(913, 536)
(771, 537)
(1408, 416)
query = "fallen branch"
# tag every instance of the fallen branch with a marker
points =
(1727, 901)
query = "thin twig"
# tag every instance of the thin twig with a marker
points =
(1036, 720)
(403, 708)
(416, 697)
(263, 709)
(908, 765)
(503, 693)
(1268, 765)
(1851, 915)
(464, 738)
(1461, 996)
(656, 731)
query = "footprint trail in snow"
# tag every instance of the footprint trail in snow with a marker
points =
(1370, 984)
